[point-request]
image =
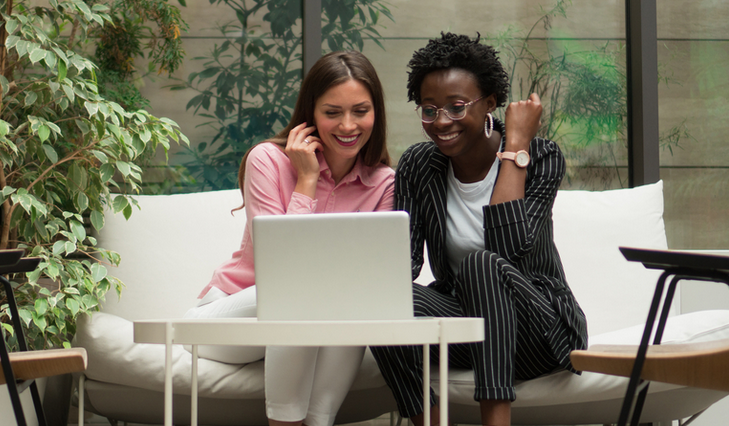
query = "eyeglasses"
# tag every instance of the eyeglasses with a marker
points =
(455, 111)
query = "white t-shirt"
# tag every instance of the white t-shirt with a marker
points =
(464, 224)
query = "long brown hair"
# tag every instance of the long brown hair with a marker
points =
(331, 70)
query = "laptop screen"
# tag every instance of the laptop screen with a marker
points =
(333, 266)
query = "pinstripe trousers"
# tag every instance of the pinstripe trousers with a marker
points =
(517, 318)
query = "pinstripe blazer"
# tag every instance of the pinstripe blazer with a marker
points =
(521, 231)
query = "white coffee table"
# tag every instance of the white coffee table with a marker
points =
(251, 332)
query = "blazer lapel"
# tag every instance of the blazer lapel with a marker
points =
(437, 196)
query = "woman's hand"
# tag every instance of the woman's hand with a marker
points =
(522, 122)
(301, 149)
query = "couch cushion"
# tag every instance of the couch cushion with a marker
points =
(169, 249)
(564, 387)
(589, 226)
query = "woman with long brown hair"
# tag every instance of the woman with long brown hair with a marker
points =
(335, 143)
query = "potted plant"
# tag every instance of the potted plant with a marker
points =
(68, 152)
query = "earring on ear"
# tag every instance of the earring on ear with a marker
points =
(488, 125)
(427, 138)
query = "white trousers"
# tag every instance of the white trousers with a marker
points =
(301, 383)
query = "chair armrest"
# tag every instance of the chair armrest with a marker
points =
(45, 363)
(701, 365)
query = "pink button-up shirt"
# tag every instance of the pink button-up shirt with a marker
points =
(269, 189)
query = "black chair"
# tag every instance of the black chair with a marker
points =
(20, 369)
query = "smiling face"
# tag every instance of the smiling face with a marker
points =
(344, 116)
(462, 138)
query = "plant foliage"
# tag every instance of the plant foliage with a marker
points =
(250, 81)
(67, 154)
(155, 22)
(584, 94)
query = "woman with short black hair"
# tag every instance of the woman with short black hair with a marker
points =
(480, 194)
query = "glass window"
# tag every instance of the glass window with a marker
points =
(236, 88)
(693, 59)
(242, 73)
(571, 54)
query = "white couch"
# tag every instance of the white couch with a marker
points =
(170, 247)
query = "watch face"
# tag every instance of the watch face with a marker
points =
(522, 159)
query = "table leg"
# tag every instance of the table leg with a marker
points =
(168, 374)
(443, 380)
(193, 386)
(426, 384)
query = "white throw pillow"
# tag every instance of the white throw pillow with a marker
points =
(589, 226)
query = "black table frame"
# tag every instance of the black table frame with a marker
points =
(680, 266)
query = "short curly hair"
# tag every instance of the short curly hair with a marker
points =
(459, 51)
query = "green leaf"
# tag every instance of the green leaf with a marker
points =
(106, 172)
(92, 108)
(50, 59)
(9, 329)
(41, 306)
(5, 84)
(83, 126)
(33, 276)
(50, 153)
(82, 202)
(71, 290)
(100, 156)
(59, 247)
(78, 176)
(120, 203)
(7, 190)
(124, 168)
(39, 321)
(30, 98)
(52, 268)
(70, 247)
(25, 315)
(4, 128)
(11, 25)
(11, 41)
(68, 90)
(83, 8)
(78, 230)
(127, 212)
(114, 129)
(54, 127)
(37, 55)
(72, 306)
(62, 70)
(98, 272)
(145, 135)
(89, 301)
(25, 200)
(97, 220)
(43, 133)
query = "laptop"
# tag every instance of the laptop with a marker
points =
(333, 266)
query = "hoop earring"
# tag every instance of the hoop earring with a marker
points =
(427, 138)
(488, 125)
